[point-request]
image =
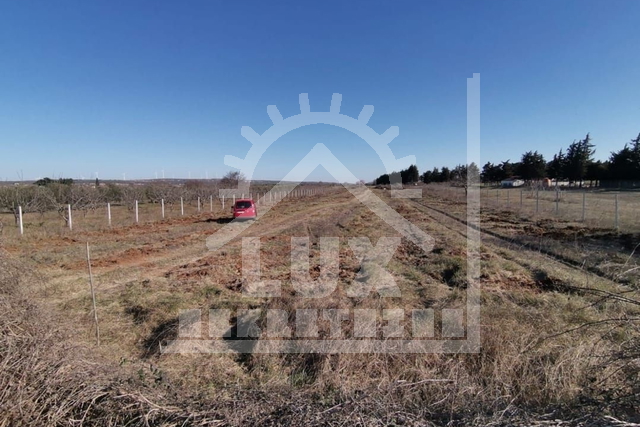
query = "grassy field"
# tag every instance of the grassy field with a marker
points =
(559, 319)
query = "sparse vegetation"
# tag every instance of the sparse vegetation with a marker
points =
(557, 338)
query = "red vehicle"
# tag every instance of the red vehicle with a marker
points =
(245, 209)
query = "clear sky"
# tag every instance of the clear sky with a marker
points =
(138, 87)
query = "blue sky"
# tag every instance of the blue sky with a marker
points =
(138, 87)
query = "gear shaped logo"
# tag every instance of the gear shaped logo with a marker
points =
(359, 126)
(270, 330)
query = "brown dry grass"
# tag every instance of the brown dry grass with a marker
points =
(527, 364)
(599, 204)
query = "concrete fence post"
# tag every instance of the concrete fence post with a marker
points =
(20, 223)
(181, 206)
(137, 212)
(162, 204)
(70, 219)
(109, 214)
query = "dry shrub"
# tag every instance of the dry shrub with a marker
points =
(46, 382)
(516, 371)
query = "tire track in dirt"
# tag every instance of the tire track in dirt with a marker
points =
(309, 222)
(497, 240)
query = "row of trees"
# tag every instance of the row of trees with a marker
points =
(48, 195)
(576, 165)
(405, 176)
(458, 174)
(412, 174)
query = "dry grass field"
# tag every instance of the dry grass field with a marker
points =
(566, 205)
(559, 326)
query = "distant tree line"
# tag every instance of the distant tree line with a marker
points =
(575, 165)
(412, 174)
(48, 181)
(458, 174)
(405, 176)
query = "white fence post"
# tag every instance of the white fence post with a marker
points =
(109, 214)
(198, 204)
(223, 202)
(181, 206)
(70, 219)
(162, 203)
(211, 203)
(136, 211)
(20, 220)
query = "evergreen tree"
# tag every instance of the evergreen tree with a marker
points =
(435, 175)
(445, 174)
(597, 171)
(410, 175)
(532, 166)
(579, 155)
(625, 164)
(507, 170)
(491, 173)
(556, 167)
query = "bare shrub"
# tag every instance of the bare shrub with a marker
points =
(131, 193)
(30, 198)
(46, 382)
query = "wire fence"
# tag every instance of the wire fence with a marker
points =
(108, 215)
(616, 210)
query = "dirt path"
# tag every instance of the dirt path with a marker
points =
(538, 261)
(154, 249)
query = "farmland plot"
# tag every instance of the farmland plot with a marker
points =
(558, 329)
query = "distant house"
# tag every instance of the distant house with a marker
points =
(512, 182)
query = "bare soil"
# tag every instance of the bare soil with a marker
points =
(559, 321)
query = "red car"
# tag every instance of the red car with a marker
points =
(245, 208)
